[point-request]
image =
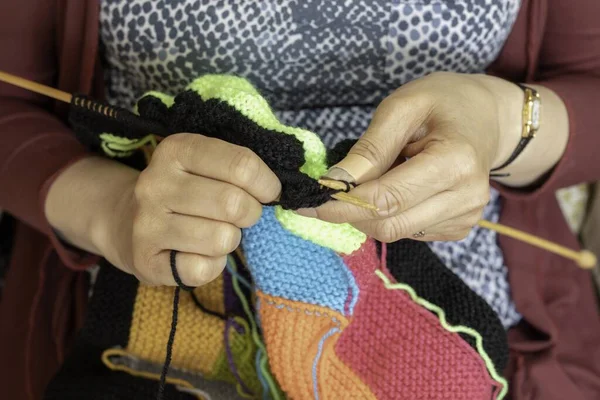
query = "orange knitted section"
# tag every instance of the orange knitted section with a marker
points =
(199, 340)
(292, 332)
(211, 295)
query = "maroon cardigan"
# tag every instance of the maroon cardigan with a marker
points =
(555, 352)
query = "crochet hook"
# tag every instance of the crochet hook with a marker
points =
(584, 258)
(134, 120)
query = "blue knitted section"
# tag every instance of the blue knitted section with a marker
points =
(287, 266)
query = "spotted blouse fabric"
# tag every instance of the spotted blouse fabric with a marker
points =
(323, 65)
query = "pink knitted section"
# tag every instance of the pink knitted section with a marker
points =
(400, 350)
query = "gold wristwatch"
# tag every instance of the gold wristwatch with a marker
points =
(531, 123)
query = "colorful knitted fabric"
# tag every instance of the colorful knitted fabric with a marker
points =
(339, 318)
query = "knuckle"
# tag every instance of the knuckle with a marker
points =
(179, 148)
(480, 198)
(226, 239)
(245, 166)
(168, 146)
(206, 270)
(372, 151)
(235, 205)
(471, 220)
(390, 230)
(151, 271)
(392, 197)
(388, 104)
(483, 198)
(466, 161)
(143, 185)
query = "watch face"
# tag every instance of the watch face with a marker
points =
(535, 114)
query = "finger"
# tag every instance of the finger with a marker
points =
(217, 159)
(193, 269)
(397, 119)
(400, 189)
(203, 197)
(442, 207)
(199, 236)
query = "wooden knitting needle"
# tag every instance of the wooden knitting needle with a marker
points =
(67, 97)
(585, 259)
(35, 87)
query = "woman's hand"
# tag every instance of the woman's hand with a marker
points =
(194, 197)
(454, 128)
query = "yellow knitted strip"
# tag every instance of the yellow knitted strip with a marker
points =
(240, 94)
(140, 374)
(451, 328)
(166, 99)
(341, 238)
(202, 333)
(211, 295)
(117, 146)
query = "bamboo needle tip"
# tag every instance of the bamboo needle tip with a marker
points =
(346, 198)
(336, 185)
(587, 259)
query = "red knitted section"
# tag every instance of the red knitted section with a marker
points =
(400, 350)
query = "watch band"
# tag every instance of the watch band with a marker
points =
(522, 143)
(531, 124)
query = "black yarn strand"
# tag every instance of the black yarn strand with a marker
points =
(176, 294)
(176, 276)
(167, 363)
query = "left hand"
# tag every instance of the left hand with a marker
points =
(454, 128)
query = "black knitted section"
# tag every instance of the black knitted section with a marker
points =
(153, 108)
(84, 376)
(412, 262)
(339, 151)
(89, 120)
(109, 313)
(89, 124)
(283, 154)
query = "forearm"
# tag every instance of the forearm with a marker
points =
(543, 152)
(85, 197)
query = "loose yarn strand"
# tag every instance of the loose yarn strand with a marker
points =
(173, 331)
(167, 363)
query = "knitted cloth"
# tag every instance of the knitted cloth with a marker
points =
(335, 321)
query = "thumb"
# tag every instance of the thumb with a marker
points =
(394, 124)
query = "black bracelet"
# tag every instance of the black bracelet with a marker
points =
(531, 117)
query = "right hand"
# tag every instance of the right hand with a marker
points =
(194, 196)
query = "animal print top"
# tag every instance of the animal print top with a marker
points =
(323, 65)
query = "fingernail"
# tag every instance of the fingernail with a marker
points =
(307, 212)
(353, 168)
(339, 174)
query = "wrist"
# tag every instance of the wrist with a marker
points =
(111, 226)
(82, 202)
(509, 107)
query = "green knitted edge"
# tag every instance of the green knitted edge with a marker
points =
(275, 390)
(166, 99)
(341, 238)
(451, 328)
(221, 370)
(240, 94)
